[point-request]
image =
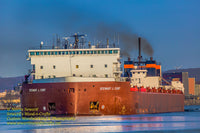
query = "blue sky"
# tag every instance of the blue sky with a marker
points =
(172, 27)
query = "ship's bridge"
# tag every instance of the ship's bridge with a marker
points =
(89, 62)
(139, 78)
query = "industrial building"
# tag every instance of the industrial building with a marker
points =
(191, 85)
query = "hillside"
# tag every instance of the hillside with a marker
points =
(192, 72)
(9, 83)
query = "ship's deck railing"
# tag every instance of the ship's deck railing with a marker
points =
(143, 68)
(122, 79)
(62, 47)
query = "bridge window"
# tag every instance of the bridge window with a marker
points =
(115, 51)
(59, 53)
(37, 53)
(32, 53)
(102, 51)
(77, 52)
(81, 52)
(110, 51)
(73, 52)
(52, 53)
(84, 52)
(88, 52)
(63, 53)
(45, 53)
(56, 53)
(106, 51)
(95, 52)
(49, 53)
(66, 52)
(99, 52)
(41, 53)
(91, 52)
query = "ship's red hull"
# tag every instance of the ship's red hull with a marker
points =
(97, 98)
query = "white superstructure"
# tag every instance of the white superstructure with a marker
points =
(92, 62)
(139, 78)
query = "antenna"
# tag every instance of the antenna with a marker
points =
(114, 37)
(66, 43)
(76, 37)
(53, 42)
(58, 41)
(89, 44)
(82, 41)
(107, 43)
(94, 40)
(114, 41)
(118, 39)
(178, 67)
(41, 44)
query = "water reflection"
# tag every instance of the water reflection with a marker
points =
(147, 122)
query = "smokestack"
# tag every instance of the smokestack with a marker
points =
(139, 46)
(129, 59)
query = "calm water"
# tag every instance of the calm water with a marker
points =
(188, 121)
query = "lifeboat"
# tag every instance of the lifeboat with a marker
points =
(142, 89)
(134, 88)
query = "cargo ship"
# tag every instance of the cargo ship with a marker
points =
(75, 79)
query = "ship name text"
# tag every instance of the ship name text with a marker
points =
(37, 90)
(109, 88)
